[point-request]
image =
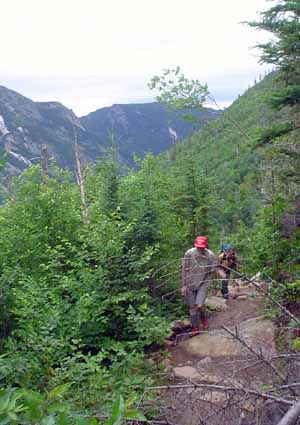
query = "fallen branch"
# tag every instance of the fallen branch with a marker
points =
(222, 388)
(217, 411)
(144, 421)
(292, 416)
(284, 387)
(266, 293)
(286, 356)
(259, 355)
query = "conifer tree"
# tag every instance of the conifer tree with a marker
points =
(283, 21)
(281, 140)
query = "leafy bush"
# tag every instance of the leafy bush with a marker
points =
(296, 344)
(288, 292)
(27, 407)
(74, 297)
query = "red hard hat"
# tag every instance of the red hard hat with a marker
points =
(200, 242)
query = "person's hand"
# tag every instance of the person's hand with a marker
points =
(184, 290)
(222, 274)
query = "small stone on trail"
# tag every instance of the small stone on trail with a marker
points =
(189, 372)
(243, 297)
(204, 362)
(186, 372)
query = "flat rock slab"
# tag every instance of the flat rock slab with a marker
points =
(216, 303)
(258, 333)
(191, 373)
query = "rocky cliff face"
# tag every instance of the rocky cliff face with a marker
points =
(25, 126)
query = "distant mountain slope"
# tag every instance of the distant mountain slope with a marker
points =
(141, 128)
(26, 125)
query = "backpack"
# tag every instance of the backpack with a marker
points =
(229, 257)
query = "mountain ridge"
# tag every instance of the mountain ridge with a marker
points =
(26, 125)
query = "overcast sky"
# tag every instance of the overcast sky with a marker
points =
(93, 53)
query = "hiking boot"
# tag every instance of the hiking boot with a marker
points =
(194, 331)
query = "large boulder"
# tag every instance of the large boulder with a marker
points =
(258, 333)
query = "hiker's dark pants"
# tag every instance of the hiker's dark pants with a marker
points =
(224, 287)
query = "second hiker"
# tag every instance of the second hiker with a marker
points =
(198, 266)
(228, 262)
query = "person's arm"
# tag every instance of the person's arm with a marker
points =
(216, 266)
(221, 273)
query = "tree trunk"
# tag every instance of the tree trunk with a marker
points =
(44, 163)
(80, 180)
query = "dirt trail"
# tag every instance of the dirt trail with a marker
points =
(199, 368)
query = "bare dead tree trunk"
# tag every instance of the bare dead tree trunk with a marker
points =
(292, 416)
(229, 117)
(80, 180)
(44, 163)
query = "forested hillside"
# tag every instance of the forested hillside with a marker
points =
(90, 270)
(224, 161)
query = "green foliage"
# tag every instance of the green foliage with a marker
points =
(75, 300)
(102, 183)
(36, 218)
(28, 407)
(282, 97)
(2, 160)
(268, 135)
(121, 410)
(9, 406)
(177, 91)
(282, 21)
(280, 142)
(75, 297)
(296, 344)
(289, 292)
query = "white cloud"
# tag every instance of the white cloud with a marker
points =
(92, 53)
